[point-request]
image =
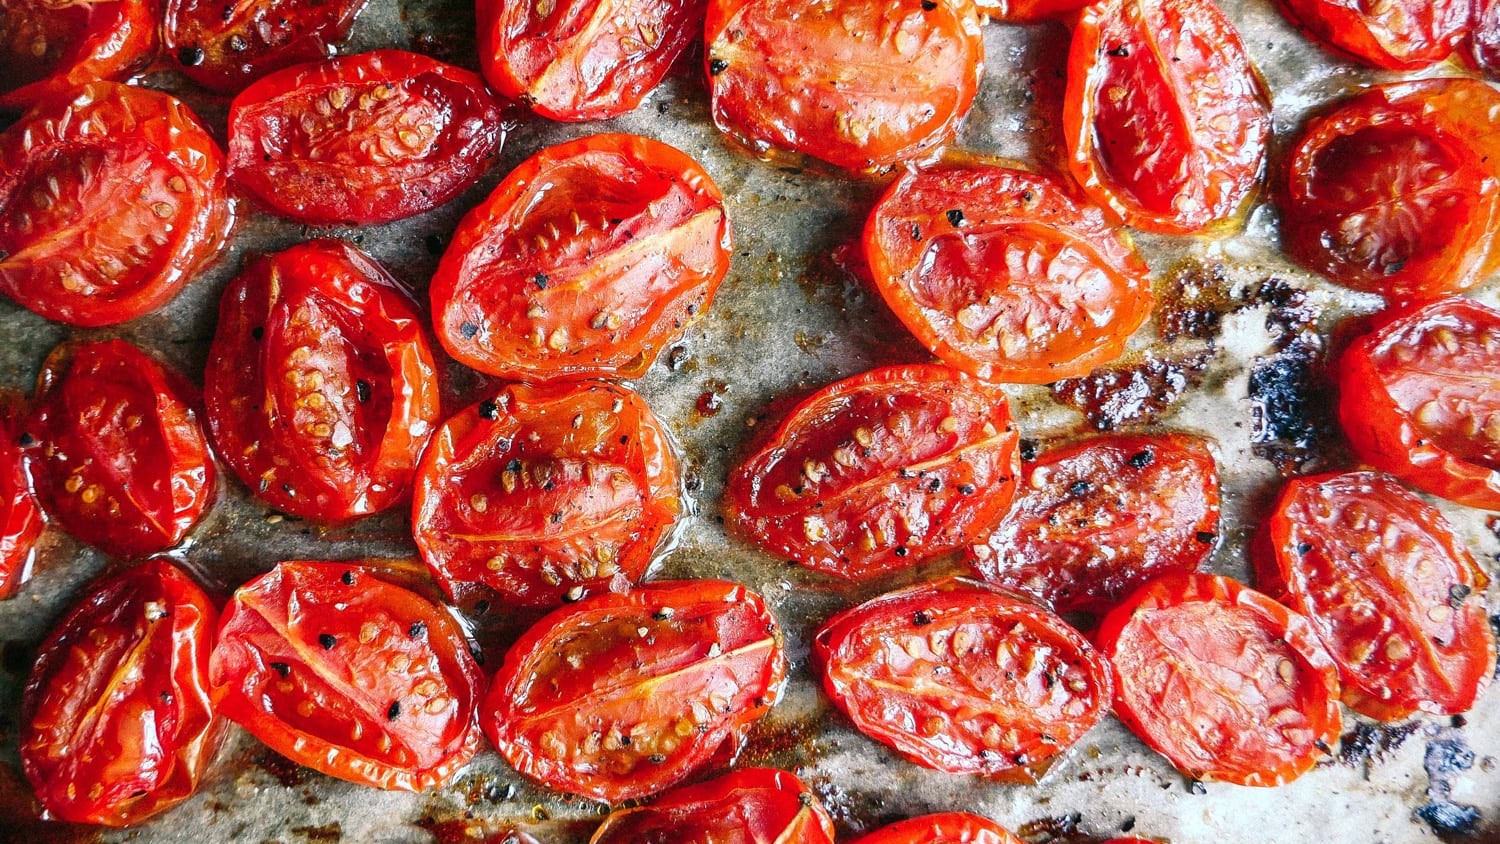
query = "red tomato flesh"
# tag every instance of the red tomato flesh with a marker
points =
(21, 520)
(225, 47)
(48, 48)
(750, 806)
(1391, 34)
(946, 828)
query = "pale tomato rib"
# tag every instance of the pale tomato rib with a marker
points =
(89, 723)
(924, 690)
(571, 533)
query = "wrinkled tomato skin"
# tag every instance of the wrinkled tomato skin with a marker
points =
(362, 139)
(117, 721)
(586, 261)
(944, 828)
(842, 81)
(226, 49)
(81, 42)
(1094, 521)
(1484, 38)
(1392, 593)
(321, 387)
(1403, 35)
(1273, 720)
(110, 201)
(588, 704)
(21, 519)
(349, 675)
(120, 459)
(878, 472)
(750, 806)
(1193, 165)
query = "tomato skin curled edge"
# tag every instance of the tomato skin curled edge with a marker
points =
(1394, 35)
(944, 828)
(751, 804)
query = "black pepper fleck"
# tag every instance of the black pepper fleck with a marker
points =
(417, 630)
(362, 390)
(281, 668)
(1141, 459)
(327, 640)
(347, 577)
(955, 217)
(190, 56)
(921, 618)
(717, 66)
(468, 330)
(394, 710)
(488, 409)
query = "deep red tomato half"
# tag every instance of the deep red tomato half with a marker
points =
(586, 261)
(362, 139)
(21, 520)
(959, 677)
(1003, 274)
(945, 828)
(1223, 681)
(1393, 594)
(110, 201)
(116, 719)
(227, 46)
(862, 84)
(621, 696)
(879, 472)
(119, 459)
(1165, 119)
(1391, 34)
(1095, 520)
(321, 387)
(750, 806)
(1484, 37)
(48, 48)
(349, 675)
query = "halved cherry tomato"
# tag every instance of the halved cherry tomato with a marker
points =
(117, 720)
(226, 46)
(946, 828)
(1165, 119)
(1393, 594)
(621, 696)
(879, 472)
(1223, 681)
(21, 519)
(543, 493)
(1418, 398)
(586, 261)
(120, 459)
(349, 675)
(1095, 520)
(109, 202)
(1484, 37)
(50, 47)
(321, 387)
(1003, 274)
(862, 84)
(362, 139)
(962, 678)
(751, 806)
(1393, 34)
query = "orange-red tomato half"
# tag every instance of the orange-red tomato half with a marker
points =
(749, 806)
(1391, 34)
(21, 519)
(945, 828)
(226, 47)
(49, 48)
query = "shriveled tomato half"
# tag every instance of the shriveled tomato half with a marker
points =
(48, 48)
(349, 675)
(1484, 37)
(109, 202)
(621, 696)
(21, 519)
(226, 46)
(750, 806)
(879, 472)
(116, 719)
(1393, 34)
(586, 261)
(321, 386)
(862, 84)
(369, 138)
(1393, 594)
(1095, 520)
(945, 828)
(959, 677)
(120, 459)
(1165, 119)
(1223, 681)
(1003, 274)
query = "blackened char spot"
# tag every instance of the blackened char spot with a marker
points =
(1120, 396)
(1368, 745)
(1292, 419)
(1448, 757)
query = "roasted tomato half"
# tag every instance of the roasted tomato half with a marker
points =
(879, 472)
(1484, 37)
(349, 675)
(751, 806)
(116, 719)
(362, 139)
(226, 47)
(50, 47)
(586, 261)
(863, 84)
(109, 202)
(21, 520)
(962, 678)
(1393, 34)
(321, 387)
(1166, 121)
(1095, 520)
(621, 696)
(1223, 681)
(1003, 274)
(1419, 398)
(946, 828)
(119, 459)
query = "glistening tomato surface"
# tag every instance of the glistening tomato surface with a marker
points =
(227, 46)
(117, 723)
(879, 472)
(110, 200)
(1223, 681)
(120, 459)
(863, 84)
(1392, 34)
(48, 48)
(945, 828)
(1166, 121)
(621, 696)
(1003, 274)
(750, 806)
(362, 139)
(1393, 594)
(546, 492)
(21, 519)
(321, 387)
(349, 675)
(586, 261)
(1027, 11)
(1484, 37)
